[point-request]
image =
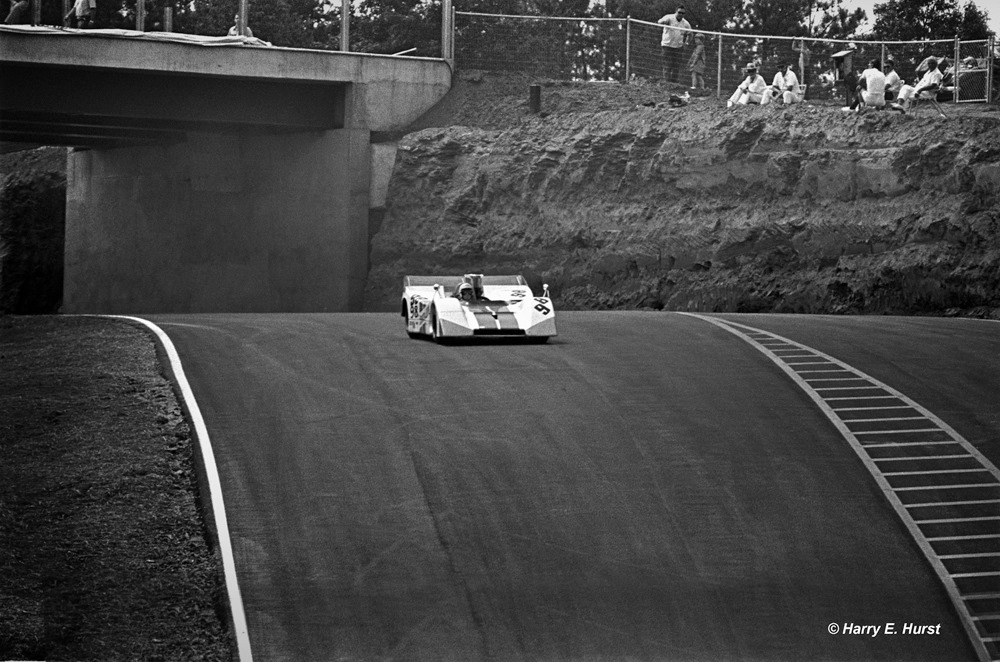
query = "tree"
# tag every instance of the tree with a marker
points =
(394, 26)
(913, 20)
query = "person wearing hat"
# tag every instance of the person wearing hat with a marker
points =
(696, 63)
(892, 80)
(751, 90)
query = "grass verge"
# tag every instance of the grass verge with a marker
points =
(103, 552)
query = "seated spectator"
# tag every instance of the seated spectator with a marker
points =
(871, 86)
(925, 64)
(928, 85)
(20, 13)
(751, 90)
(235, 30)
(775, 89)
(892, 80)
(792, 93)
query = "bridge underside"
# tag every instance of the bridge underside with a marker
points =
(98, 108)
(210, 174)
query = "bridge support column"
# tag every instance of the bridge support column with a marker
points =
(220, 223)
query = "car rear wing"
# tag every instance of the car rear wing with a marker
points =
(451, 282)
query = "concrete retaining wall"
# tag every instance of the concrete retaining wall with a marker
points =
(220, 224)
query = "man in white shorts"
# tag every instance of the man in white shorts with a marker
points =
(871, 85)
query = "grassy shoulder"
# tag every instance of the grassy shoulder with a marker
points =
(103, 553)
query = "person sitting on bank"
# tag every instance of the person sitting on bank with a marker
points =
(751, 90)
(235, 30)
(775, 89)
(892, 80)
(791, 92)
(929, 84)
(871, 86)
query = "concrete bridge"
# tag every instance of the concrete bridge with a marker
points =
(212, 174)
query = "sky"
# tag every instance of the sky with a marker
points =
(992, 7)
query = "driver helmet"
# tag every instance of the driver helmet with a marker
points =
(465, 288)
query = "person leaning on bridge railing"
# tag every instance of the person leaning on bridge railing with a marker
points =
(20, 13)
(235, 30)
(82, 14)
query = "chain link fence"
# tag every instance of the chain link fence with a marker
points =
(558, 48)
(628, 50)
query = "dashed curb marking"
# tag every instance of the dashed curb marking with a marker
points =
(215, 488)
(944, 490)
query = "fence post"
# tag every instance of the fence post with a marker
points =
(345, 26)
(168, 19)
(140, 15)
(628, 49)
(718, 72)
(447, 30)
(955, 70)
(989, 69)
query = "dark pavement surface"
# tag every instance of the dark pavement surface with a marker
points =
(644, 487)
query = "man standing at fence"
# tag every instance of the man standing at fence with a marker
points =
(672, 44)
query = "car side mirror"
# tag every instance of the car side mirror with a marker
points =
(545, 290)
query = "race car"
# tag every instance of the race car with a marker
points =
(475, 305)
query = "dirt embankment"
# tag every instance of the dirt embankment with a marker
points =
(32, 230)
(618, 200)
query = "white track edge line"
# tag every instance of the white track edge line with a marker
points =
(918, 536)
(214, 484)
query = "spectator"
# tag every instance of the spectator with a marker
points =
(929, 84)
(751, 90)
(696, 63)
(775, 90)
(792, 93)
(892, 80)
(672, 43)
(871, 86)
(20, 13)
(82, 14)
(235, 30)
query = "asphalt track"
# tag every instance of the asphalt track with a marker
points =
(644, 487)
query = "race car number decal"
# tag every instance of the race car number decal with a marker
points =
(541, 307)
(518, 294)
(417, 307)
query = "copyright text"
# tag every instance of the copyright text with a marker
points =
(887, 629)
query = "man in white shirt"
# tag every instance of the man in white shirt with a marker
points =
(751, 90)
(775, 90)
(928, 85)
(892, 80)
(672, 43)
(792, 93)
(871, 85)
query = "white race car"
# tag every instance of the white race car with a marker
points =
(475, 305)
